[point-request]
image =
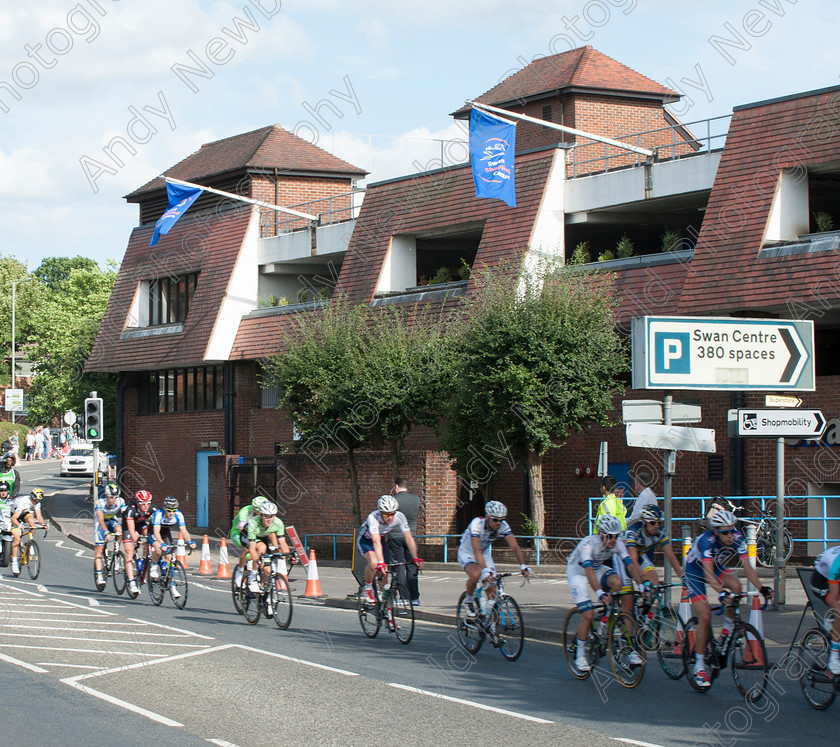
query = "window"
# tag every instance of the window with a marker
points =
(169, 299)
(183, 390)
(546, 112)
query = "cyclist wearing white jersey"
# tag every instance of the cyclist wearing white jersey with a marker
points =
(825, 580)
(162, 522)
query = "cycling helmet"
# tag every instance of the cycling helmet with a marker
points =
(112, 490)
(722, 519)
(143, 496)
(9, 455)
(651, 513)
(267, 508)
(4, 486)
(495, 510)
(387, 504)
(609, 524)
(170, 503)
(258, 502)
(37, 494)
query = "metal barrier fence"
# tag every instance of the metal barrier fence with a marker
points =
(766, 502)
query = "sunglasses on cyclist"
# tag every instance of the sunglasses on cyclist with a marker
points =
(390, 513)
(654, 523)
(610, 536)
(494, 519)
(726, 531)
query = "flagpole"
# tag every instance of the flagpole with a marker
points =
(232, 196)
(563, 128)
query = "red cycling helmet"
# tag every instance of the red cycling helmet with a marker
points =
(143, 496)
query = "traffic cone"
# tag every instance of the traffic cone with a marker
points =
(181, 551)
(223, 570)
(753, 646)
(205, 567)
(684, 613)
(313, 586)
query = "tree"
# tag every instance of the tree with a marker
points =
(27, 296)
(54, 272)
(539, 359)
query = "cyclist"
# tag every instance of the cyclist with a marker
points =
(590, 567)
(704, 565)
(107, 521)
(475, 550)
(135, 524)
(5, 492)
(262, 531)
(825, 581)
(643, 537)
(386, 518)
(9, 474)
(162, 522)
(239, 536)
(25, 508)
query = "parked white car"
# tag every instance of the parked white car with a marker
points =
(79, 461)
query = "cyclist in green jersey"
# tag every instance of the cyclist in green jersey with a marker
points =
(263, 531)
(237, 531)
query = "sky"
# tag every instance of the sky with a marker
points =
(371, 81)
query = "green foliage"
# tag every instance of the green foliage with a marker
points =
(54, 272)
(607, 254)
(823, 221)
(624, 248)
(302, 295)
(6, 430)
(442, 275)
(28, 296)
(671, 240)
(324, 293)
(581, 255)
(464, 271)
(529, 526)
(271, 301)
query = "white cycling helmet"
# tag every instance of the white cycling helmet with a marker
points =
(267, 508)
(258, 502)
(495, 510)
(387, 504)
(721, 519)
(609, 524)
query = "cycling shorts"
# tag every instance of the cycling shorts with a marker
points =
(166, 536)
(695, 583)
(114, 526)
(142, 531)
(465, 558)
(365, 545)
(819, 584)
(579, 585)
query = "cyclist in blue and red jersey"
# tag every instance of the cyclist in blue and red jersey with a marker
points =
(705, 564)
(135, 524)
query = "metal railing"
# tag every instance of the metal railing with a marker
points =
(338, 208)
(766, 502)
(681, 136)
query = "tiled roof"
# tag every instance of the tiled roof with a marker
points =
(422, 202)
(209, 245)
(729, 272)
(581, 68)
(267, 148)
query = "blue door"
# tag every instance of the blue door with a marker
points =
(621, 472)
(201, 487)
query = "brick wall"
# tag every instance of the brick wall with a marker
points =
(289, 191)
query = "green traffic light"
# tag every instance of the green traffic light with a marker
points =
(92, 432)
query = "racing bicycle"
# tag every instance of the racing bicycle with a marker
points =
(274, 600)
(172, 578)
(495, 617)
(661, 629)
(30, 553)
(392, 605)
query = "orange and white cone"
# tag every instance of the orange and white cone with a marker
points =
(223, 570)
(205, 567)
(181, 550)
(684, 613)
(753, 646)
(313, 586)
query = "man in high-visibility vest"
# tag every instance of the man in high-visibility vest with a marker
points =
(611, 504)
(9, 474)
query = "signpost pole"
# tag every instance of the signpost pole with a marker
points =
(668, 461)
(779, 580)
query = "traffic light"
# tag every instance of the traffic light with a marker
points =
(93, 419)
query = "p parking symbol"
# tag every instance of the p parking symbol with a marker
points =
(671, 353)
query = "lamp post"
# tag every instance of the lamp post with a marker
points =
(15, 284)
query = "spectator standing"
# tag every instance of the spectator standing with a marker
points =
(39, 442)
(47, 441)
(410, 506)
(30, 445)
(642, 481)
(611, 504)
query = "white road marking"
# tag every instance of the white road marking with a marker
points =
(25, 665)
(635, 741)
(82, 650)
(79, 553)
(122, 703)
(135, 642)
(52, 628)
(169, 627)
(470, 703)
(221, 742)
(61, 664)
(210, 588)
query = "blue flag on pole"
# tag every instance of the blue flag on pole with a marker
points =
(180, 199)
(492, 146)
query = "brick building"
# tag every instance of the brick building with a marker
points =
(190, 319)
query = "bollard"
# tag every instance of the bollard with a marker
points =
(751, 552)
(686, 541)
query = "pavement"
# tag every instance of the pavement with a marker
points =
(544, 600)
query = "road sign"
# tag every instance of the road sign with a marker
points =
(671, 437)
(781, 400)
(69, 417)
(779, 423)
(14, 400)
(722, 353)
(298, 545)
(650, 411)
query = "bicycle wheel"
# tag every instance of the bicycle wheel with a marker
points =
(401, 613)
(178, 586)
(688, 655)
(368, 614)
(281, 601)
(817, 683)
(748, 662)
(570, 627)
(251, 601)
(470, 635)
(236, 593)
(33, 559)
(156, 587)
(509, 627)
(118, 571)
(627, 655)
(667, 639)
